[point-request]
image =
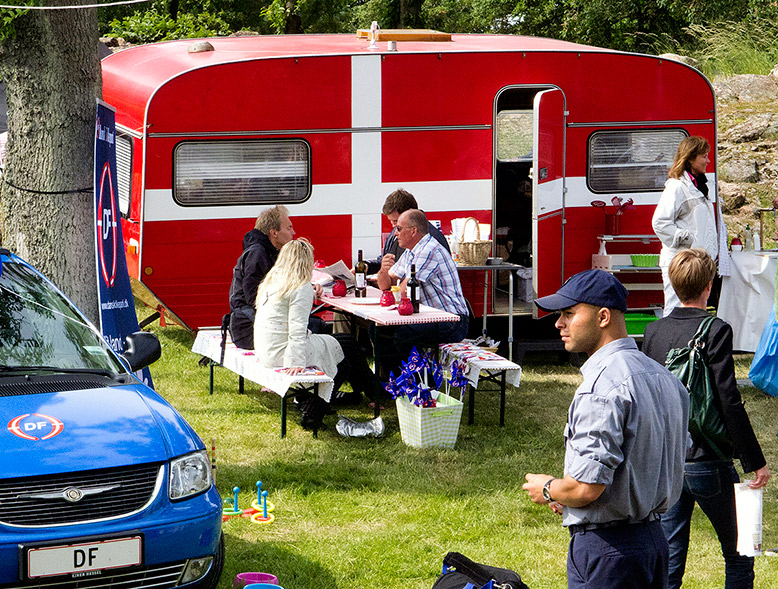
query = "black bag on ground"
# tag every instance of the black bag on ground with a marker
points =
(459, 572)
(689, 364)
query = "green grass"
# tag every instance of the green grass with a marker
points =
(378, 514)
(728, 48)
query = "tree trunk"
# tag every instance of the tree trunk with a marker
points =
(52, 73)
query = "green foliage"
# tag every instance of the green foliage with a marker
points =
(151, 26)
(9, 16)
(728, 48)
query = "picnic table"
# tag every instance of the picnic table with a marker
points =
(369, 309)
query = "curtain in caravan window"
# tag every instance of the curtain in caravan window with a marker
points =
(211, 173)
(631, 161)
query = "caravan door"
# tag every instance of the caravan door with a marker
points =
(548, 190)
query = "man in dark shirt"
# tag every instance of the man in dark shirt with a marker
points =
(260, 249)
(708, 480)
(396, 204)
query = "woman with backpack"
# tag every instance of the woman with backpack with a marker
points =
(709, 473)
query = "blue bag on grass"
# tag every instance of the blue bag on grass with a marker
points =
(764, 367)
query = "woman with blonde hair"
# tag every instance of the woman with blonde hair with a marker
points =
(685, 216)
(281, 335)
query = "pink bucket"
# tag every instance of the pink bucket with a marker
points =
(244, 579)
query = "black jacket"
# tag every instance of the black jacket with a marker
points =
(392, 247)
(257, 258)
(675, 331)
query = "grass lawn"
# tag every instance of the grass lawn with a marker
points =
(378, 514)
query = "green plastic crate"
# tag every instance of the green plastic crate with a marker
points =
(636, 322)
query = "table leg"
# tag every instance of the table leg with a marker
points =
(502, 398)
(372, 331)
(510, 315)
(470, 404)
(486, 298)
(283, 416)
(241, 385)
(210, 381)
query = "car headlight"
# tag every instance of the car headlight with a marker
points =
(189, 475)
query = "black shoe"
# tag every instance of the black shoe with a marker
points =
(345, 398)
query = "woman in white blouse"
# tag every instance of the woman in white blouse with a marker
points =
(284, 301)
(685, 216)
(282, 338)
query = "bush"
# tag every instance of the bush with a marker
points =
(728, 48)
(150, 26)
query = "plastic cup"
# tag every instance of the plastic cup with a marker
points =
(246, 579)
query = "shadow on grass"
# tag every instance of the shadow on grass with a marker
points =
(291, 568)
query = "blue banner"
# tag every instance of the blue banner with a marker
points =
(117, 307)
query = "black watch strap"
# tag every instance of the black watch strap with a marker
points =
(547, 490)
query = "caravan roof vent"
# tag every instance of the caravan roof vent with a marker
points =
(199, 47)
(404, 35)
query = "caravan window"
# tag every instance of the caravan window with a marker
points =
(631, 161)
(211, 173)
(124, 172)
(514, 135)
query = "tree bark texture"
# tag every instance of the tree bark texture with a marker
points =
(52, 73)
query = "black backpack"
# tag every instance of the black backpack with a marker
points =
(460, 572)
(690, 365)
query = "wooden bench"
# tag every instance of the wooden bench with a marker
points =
(247, 366)
(483, 364)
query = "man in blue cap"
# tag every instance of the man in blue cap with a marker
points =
(625, 443)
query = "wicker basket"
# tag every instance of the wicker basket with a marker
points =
(473, 253)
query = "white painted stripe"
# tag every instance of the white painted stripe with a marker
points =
(548, 197)
(335, 199)
(366, 91)
(366, 162)
(579, 195)
(366, 234)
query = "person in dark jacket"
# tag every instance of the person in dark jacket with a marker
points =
(395, 204)
(261, 245)
(708, 480)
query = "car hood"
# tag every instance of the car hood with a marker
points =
(104, 427)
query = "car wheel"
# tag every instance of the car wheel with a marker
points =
(210, 580)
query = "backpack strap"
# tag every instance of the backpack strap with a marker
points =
(701, 337)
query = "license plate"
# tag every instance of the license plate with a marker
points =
(84, 558)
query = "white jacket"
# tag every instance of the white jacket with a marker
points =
(684, 218)
(281, 336)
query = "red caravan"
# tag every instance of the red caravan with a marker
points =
(329, 126)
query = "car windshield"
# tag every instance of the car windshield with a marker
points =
(41, 330)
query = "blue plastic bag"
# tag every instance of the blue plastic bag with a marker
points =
(764, 367)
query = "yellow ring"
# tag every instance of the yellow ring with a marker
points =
(270, 506)
(257, 518)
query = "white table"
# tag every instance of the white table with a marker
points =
(747, 296)
(493, 268)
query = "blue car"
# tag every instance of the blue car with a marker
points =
(102, 482)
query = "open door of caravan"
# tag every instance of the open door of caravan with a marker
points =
(548, 189)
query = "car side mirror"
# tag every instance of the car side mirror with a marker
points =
(141, 349)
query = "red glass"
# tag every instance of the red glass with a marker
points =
(339, 289)
(405, 307)
(387, 298)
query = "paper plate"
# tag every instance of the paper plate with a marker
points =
(366, 301)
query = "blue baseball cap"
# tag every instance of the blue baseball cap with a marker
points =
(595, 287)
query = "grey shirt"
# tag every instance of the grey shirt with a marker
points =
(626, 429)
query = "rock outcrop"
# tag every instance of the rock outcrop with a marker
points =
(747, 147)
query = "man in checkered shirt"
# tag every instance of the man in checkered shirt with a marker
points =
(438, 279)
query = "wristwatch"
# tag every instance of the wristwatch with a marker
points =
(547, 490)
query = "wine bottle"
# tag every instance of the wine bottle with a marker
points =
(360, 277)
(413, 285)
